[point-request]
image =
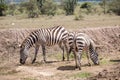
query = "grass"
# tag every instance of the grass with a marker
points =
(29, 78)
(82, 75)
(105, 62)
(8, 72)
(66, 21)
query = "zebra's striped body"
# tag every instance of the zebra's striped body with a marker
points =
(79, 42)
(43, 37)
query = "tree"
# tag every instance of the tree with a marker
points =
(3, 7)
(104, 6)
(69, 6)
(87, 5)
(47, 7)
(40, 4)
(31, 8)
(114, 6)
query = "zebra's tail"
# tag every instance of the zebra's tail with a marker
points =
(93, 53)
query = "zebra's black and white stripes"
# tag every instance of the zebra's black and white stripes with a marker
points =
(79, 42)
(43, 37)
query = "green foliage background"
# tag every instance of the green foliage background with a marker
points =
(34, 8)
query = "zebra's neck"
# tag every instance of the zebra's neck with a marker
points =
(28, 42)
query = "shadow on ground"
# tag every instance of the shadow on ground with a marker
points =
(117, 60)
(66, 68)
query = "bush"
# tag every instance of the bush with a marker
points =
(3, 7)
(31, 8)
(77, 13)
(23, 7)
(97, 9)
(60, 11)
(47, 7)
(11, 9)
(69, 6)
(114, 6)
(87, 6)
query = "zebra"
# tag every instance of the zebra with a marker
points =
(43, 37)
(79, 42)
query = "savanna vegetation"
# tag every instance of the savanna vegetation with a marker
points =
(34, 8)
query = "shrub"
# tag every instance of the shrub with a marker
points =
(40, 5)
(47, 7)
(77, 13)
(104, 5)
(11, 9)
(3, 7)
(69, 6)
(31, 8)
(60, 11)
(87, 6)
(114, 6)
(97, 9)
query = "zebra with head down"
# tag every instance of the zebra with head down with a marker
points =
(79, 42)
(43, 37)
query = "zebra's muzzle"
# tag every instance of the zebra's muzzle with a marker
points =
(97, 63)
(22, 62)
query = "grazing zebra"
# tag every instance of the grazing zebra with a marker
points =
(43, 37)
(79, 42)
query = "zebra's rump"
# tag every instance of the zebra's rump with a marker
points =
(78, 41)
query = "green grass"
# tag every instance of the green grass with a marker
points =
(72, 55)
(82, 75)
(11, 72)
(57, 56)
(105, 62)
(29, 78)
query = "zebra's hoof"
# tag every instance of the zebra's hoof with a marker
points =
(76, 66)
(43, 61)
(63, 59)
(68, 60)
(79, 68)
(89, 64)
(33, 61)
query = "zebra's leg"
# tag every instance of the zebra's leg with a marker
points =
(75, 56)
(68, 53)
(62, 47)
(44, 53)
(36, 51)
(67, 48)
(79, 60)
(88, 57)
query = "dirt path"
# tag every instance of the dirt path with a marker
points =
(55, 70)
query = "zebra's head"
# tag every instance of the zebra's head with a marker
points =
(94, 58)
(23, 54)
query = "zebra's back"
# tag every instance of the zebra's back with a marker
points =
(46, 36)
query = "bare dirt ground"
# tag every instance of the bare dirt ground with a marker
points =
(109, 70)
(13, 30)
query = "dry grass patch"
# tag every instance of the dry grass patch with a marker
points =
(66, 21)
